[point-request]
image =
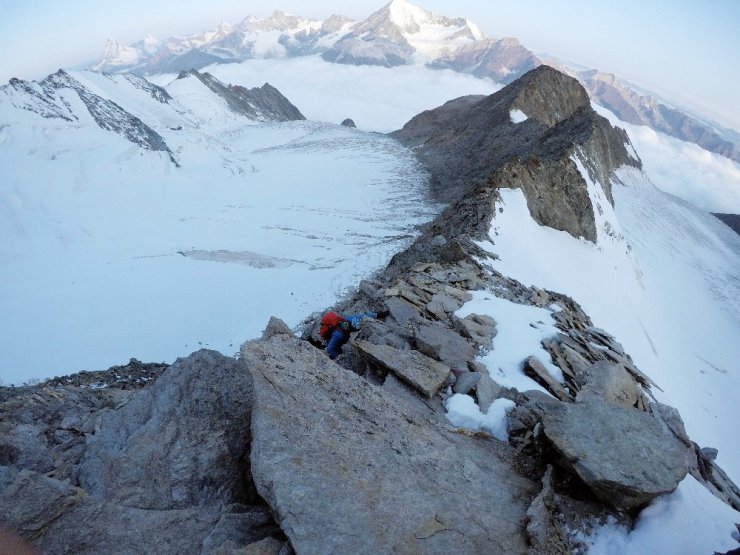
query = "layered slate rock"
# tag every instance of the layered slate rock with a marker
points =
(625, 456)
(347, 468)
(424, 374)
(182, 441)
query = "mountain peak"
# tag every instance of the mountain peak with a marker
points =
(401, 33)
(407, 16)
(559, 125)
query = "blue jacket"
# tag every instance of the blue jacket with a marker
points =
(340, 335)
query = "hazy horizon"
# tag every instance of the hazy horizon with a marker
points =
(683, 50)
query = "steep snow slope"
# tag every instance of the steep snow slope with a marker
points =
(110, 251)
(663, 278)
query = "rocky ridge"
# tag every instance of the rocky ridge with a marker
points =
(264, 103)
(471, 141)
(285, 450)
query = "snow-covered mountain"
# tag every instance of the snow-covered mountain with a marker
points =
(397, 34)
(277, 36)
(401, 33)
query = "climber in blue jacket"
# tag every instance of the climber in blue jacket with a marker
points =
(340, 335)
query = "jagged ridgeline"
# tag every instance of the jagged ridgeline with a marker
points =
(47, 98)
(283, 449)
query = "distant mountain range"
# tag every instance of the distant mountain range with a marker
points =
(399, 34)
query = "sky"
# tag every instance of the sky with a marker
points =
(684, 50)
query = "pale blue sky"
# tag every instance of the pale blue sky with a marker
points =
(686, 50)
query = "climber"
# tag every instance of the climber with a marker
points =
(336, 328)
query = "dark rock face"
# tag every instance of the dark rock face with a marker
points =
(262, 103)
(348, 123)
(348, 469)
(732, 220)
(472, 141)
(158, 93)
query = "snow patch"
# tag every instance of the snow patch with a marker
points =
(520, 331)
(463, 412)
(517, 116)
(689, 520)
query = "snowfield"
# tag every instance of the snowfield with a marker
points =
(111, 252)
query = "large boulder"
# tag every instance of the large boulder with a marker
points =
(182, 441)
(347, 468)
(625, 456)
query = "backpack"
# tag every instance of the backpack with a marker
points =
(329, 323)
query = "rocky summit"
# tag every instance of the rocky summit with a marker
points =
(282, 450)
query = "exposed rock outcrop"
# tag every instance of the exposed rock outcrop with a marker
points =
(100, 463)
(732, 221)
(263, 103)
(623, 455)
(633, 107)
(503, 60)
(178, 443)
(347, 469)
(473, 141)
(107, 114)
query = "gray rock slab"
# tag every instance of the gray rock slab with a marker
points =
(402, 311)
(182, 441)
(446, 345)
(611, 382)
(59, 518)
(533, 368)
(466, 382)
(424, 374)
(479, 328)
(347, 470)
(445, 302)
(486, 390)
(625, 456)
